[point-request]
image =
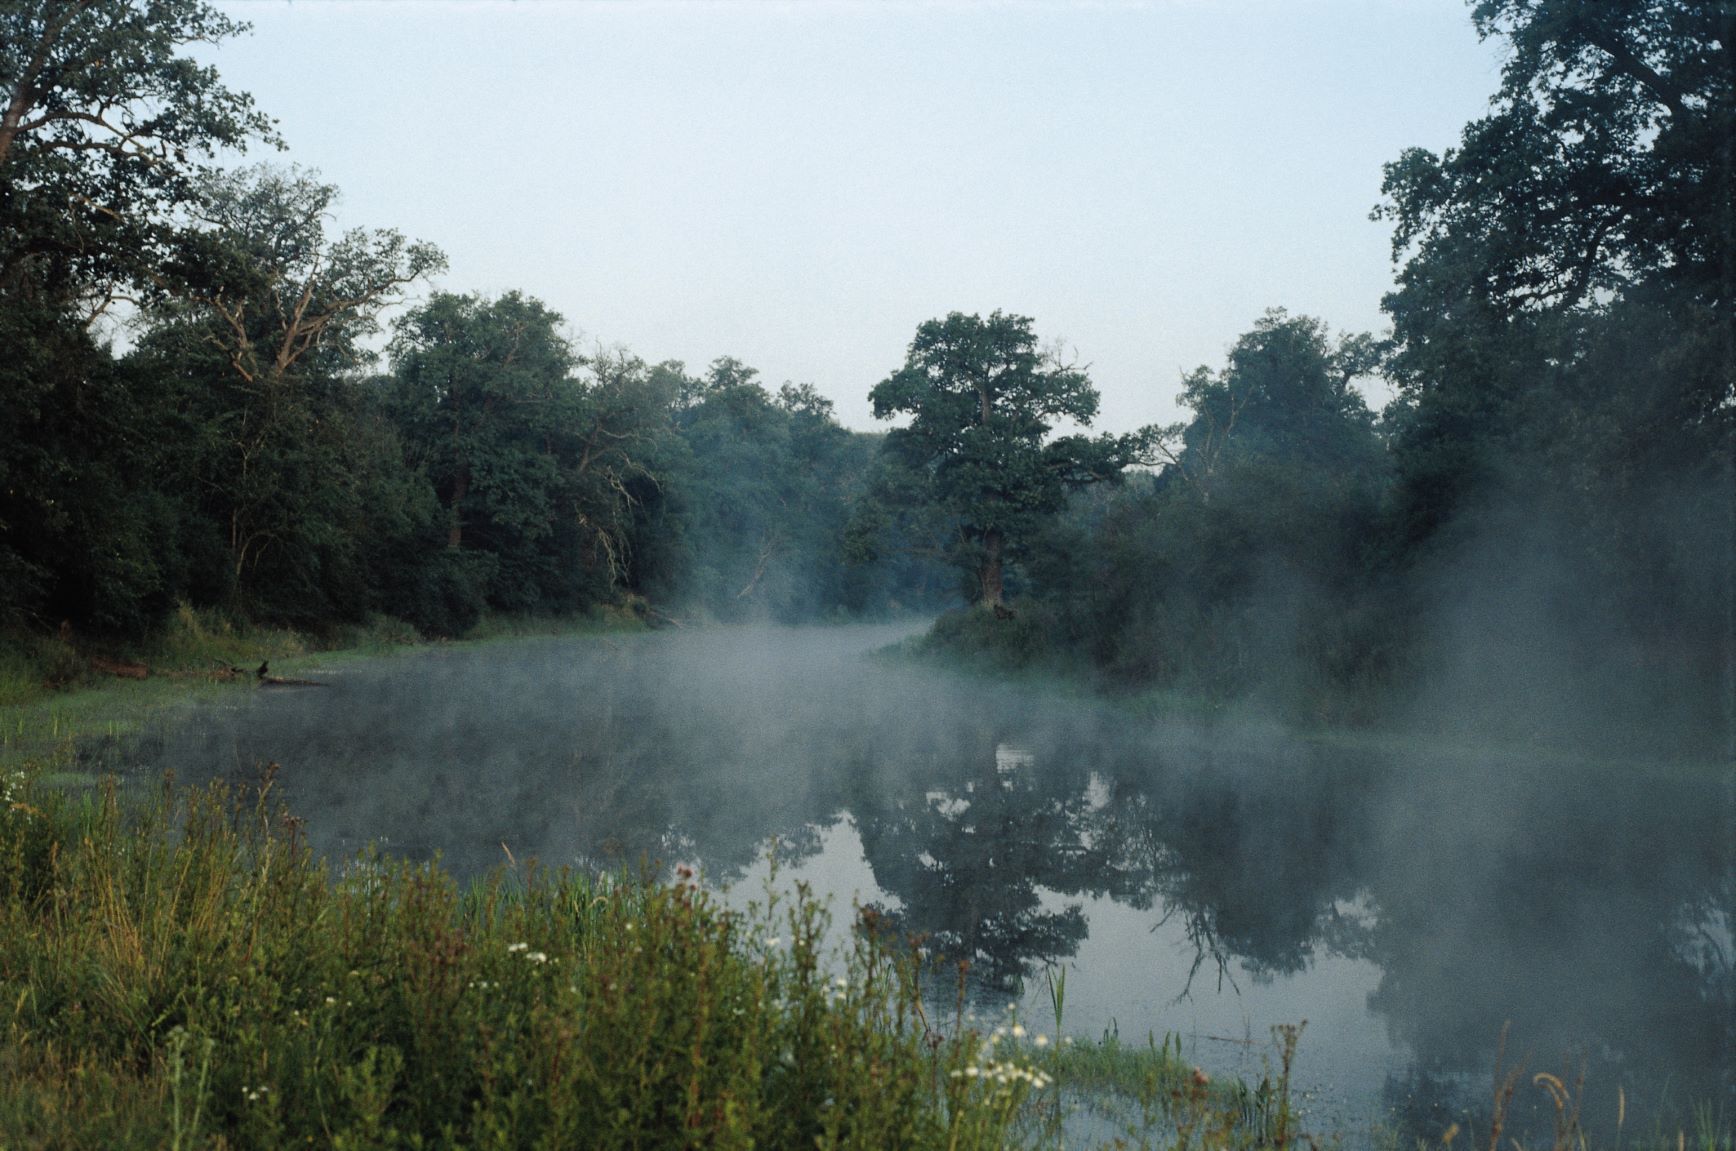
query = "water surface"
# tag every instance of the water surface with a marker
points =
(1408, 901)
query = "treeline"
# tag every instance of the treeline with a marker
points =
(1537, 531)
(1535, 538)
(493, 467)
(244, 451)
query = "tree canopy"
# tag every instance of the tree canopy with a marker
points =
(982, 400)
(109, 126)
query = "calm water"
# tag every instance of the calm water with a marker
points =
(1407, 904)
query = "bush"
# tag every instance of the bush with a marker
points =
(979, 635)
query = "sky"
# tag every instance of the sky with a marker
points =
(800, 185)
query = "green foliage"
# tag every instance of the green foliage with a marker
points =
(982, 401)
(1604, 163)
(1244, 565)
(287, 464)
(762, 500)
(182, 971)
(1565, 337)
(975, 635)
(551, 469)
(109, 127)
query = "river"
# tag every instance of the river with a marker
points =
(1410, 901)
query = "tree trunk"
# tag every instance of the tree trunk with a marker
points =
(990, 571)
(460, 488)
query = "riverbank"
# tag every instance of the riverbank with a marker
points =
(57, 690)
(707, 745)
(181, 971)
(1401, 724)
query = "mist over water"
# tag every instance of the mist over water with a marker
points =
(1408, 899)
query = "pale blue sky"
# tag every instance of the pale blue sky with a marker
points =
(799, 186)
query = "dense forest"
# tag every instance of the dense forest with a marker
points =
(1538, 530)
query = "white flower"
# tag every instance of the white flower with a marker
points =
(512, 947)
(1018, 1031)
(1041, 1041)
(537, 957)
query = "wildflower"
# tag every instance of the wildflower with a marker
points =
(774, 941)
(331, 1002)
(515, 947)
(537, 957)
(1018, 1031)
(1041, 1041)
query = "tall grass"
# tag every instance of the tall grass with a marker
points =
(178, 970)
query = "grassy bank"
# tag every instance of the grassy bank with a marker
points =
(179, 971)
(62, 689)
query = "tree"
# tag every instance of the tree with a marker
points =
(626, 455)
(740, 489)
(480, 386)
(106, 125)
(106, 128)
(1605, 171)
(1286, 395)
(1565, 347)
(1245, 563)
(265, 314)
(982, 401)
(545, 461)
(1606, 161)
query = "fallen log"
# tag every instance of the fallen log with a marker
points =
(656, 619)
(117, 668)
(266, 679)
(282, 681)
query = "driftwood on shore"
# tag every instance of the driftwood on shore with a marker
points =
(229, 672)
(266, 679)
(117, 668)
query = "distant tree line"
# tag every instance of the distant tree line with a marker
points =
(1539, 530)
(1538, 526)
(246, 452)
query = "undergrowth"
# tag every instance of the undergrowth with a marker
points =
(178, 970)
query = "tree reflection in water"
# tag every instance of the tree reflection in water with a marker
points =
(1590, 906)
(969, 862)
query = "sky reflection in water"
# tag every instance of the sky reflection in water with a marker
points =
(1407, 903)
